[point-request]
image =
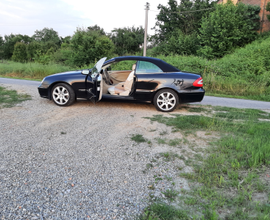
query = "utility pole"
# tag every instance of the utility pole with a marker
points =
(145, 28)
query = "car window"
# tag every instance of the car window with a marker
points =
(122, 65)
(147, 67)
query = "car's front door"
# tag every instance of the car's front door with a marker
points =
(94, 82)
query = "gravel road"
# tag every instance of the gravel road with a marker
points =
(79, 162)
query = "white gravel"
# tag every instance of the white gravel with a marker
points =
(79, 162)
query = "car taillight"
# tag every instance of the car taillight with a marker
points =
(198, 82)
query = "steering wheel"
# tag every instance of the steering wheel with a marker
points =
(107, 77)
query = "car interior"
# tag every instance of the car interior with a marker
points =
(118, 82)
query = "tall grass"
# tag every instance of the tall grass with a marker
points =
(30, 70)
(243, 74)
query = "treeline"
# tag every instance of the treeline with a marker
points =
(204, 28)
(84, 47)
(199, 28)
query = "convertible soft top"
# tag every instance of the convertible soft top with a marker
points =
(165, 67)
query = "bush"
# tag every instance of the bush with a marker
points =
(178, 43)
(227, 28)
(19, 53)
(87, 46)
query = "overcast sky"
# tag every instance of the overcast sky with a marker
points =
(26, 16)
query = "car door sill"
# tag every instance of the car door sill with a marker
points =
(117, 97)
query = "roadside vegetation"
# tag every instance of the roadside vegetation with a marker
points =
(219, 41)
(229, 177)
(9, 98)
(242, 74)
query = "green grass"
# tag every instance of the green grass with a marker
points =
(30, 70)
(242, 74)
(9, 98)
(158, 210)
(138, 138)
(236, 162)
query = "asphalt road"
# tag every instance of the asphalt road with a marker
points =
(208, 100)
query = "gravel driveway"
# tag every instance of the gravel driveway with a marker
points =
(78, 162)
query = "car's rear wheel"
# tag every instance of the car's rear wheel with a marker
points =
(166, 100)
(63, 94)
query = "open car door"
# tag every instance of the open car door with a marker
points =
(94, 82)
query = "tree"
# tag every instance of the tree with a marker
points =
(10, 41)
(267, 8)
(127, 40)
(20, 52)
(1, 47)
(178, 43)
(47, 34)
(228, 27)
(87, 46)
(97, 29)
(170, 19)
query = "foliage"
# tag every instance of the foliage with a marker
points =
(1, 47)
(10, 41)
(179, 43)
(237, 161)
(170, 19)
(30, 70)
(163, 211)
(243, 74)
(267, 8)
(227, 28)
(127, 40)
(45, 35)
(87, 46)
(97, 29)
(8, 98)
(19, 53)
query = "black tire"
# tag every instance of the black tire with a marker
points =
(63, 95)
(166, 100)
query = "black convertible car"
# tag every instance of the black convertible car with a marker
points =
(149, 79)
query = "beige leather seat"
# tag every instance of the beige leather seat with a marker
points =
(123, 88)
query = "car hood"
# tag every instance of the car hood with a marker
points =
(76, 72)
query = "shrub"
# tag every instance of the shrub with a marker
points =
(88, 46)
(227, 28)
(19, 53)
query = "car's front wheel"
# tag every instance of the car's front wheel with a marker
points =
(63, 94)
(166, 100)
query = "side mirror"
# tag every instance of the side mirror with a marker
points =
(85, 72)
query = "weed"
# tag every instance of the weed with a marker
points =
(168, 178)
(168, 156)
(138, 138)
(163, 211)
(161, 140)
(198, 109)
(158, 179)
(149, 165)
(190, 201)
(174, 142)
(9, 98)
(170, 194)
(228, 172)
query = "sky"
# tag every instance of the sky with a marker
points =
(64, 16)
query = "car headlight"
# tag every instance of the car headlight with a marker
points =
(43, 83)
